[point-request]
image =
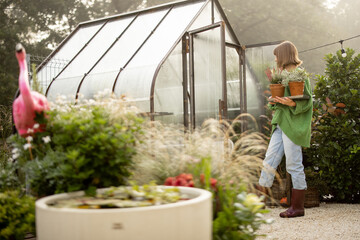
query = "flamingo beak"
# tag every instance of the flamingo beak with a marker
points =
(20, 51)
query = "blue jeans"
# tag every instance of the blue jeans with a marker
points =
(280, 144)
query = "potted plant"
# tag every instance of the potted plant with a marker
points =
(295, 79)
(148, 212)
(275, 78)
(315, 184)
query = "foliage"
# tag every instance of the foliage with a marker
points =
(167, 151)
(17, 215)
(236, 214)
(335, 147)
(206, 158)
(275, 76)
(8, 177)
(85, 146)
(296, 75)
(314, 180)
(35, 84)
(123, 197)
(5, 123)
(240, 215)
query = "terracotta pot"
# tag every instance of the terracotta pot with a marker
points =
(296, 88)
(277, 90)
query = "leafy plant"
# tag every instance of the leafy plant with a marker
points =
(17, 216)
(240, 215)
(336, 127)
(275, 76)
(314, 180)
(296, 75)
(210, 161)
(5, 124)
(123, 197)
(84, 147)
(8, 177)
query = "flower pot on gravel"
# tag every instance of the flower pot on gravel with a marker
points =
(296, 88)
(312, 198)
(277, 90)
(189, 219)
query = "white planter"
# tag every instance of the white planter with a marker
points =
(191, 219)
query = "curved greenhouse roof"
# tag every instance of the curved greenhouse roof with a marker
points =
(175, 61)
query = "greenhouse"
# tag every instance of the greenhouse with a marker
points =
(179, 63)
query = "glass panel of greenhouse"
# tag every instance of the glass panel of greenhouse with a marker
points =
(68, 50)
(178, 63)
(258, 58)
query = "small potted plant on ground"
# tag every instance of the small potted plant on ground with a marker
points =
(295, 80)
(315, 184)
(275, 77)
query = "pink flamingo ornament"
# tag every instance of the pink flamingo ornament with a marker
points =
(28, 102)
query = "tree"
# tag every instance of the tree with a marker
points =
(335, 146)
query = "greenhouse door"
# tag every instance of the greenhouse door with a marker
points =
(207, 74)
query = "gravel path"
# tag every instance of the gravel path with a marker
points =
(329, 221)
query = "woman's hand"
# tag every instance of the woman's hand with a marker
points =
(270, 99)
(285, 101)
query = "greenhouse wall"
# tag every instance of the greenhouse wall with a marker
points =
(179, 63)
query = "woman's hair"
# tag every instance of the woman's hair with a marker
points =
(287, 54)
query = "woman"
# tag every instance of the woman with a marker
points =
(291, 130)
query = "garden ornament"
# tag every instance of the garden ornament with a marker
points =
(28, 102)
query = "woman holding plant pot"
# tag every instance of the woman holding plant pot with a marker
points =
(291, 130)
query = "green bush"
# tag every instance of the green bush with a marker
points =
(17, 215)
(8, 177)
(239, 215)
(84, 147)
(335, 147)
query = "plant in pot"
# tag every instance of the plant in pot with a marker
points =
(315, 186)
(275, 77)
(295, 79)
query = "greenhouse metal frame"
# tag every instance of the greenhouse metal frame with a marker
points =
(173, 61)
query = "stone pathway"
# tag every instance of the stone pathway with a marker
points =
(330, 221)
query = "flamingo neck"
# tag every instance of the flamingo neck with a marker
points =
(24, 84)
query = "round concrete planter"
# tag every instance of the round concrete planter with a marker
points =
(191, 219)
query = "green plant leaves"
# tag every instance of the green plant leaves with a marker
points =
(336, 127)
(17, 215)
(89, 149)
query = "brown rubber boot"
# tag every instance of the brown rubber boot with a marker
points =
(297, 205)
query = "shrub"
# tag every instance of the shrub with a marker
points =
(17, 215)
(335, 147)
(85, 146)
(8, 177)
(239, 215)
